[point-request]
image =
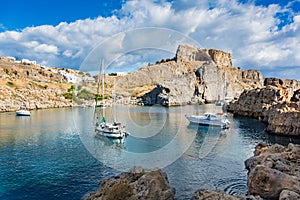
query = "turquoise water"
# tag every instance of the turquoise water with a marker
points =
(54, 154)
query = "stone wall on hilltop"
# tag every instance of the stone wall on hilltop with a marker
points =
(189, 53)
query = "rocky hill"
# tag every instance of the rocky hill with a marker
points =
(33, 87)
(194, 76)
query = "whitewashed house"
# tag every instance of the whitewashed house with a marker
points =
(122, 73)
(26, 61)
(11, 58)
(87, 79)
(71, 78)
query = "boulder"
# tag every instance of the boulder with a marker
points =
(274, 169)
(135, 184)
(289, 195)
(204, 194)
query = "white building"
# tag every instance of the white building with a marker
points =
(71, 78)
(11, 58)
(87, 79)
(26, 61)
(122, 73)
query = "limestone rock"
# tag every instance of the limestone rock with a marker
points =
(275, 103)
(296, 96)
(285, 83)
(274, 169)
(189, 53)
(195, 76)
(284, 119)
(204, 194)
(136, 184)
(289, 195)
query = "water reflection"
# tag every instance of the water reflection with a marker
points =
(41, 153)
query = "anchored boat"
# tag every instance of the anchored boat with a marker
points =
(210, 119)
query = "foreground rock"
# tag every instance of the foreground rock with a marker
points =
(204, 194)
(136, 184)
(274, 171)
(277, 104)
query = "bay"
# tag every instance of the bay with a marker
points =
(54, 154)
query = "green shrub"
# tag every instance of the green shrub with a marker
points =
(70, 93)
(112, 74)
(85, 94)
(10, 84)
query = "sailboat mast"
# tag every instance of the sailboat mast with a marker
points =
(114, 99)
(103, 75)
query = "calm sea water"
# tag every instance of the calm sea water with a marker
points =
(54, 154)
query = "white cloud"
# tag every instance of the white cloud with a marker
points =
(252, 33)
(45, 48)
(68, 53)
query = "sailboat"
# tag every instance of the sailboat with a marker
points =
(23, 111)
(110, 130)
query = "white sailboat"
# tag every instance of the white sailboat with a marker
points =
(23, 110)
(110, 130)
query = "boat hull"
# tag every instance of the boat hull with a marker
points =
(23, 113)
(207, 122)
(110, 131)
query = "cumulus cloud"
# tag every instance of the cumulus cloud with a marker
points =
(257, 36)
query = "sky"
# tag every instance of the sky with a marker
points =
(260, 34)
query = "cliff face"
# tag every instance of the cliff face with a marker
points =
(277, 103)
(195, 76)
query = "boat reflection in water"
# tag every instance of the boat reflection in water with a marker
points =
(207, 138)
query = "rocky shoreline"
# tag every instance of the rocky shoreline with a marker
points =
(277, 103)
(273, 173)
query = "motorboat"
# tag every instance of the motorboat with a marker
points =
(210, 119)
(23, 113)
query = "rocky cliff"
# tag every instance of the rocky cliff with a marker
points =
(194, 76)
(277, 104)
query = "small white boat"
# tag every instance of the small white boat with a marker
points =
(23, 113)
(219, 103)
(110, 130)
(210, 119)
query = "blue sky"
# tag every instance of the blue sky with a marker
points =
(19, 14)
(260, 34)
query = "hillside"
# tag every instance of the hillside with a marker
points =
(33, 86)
